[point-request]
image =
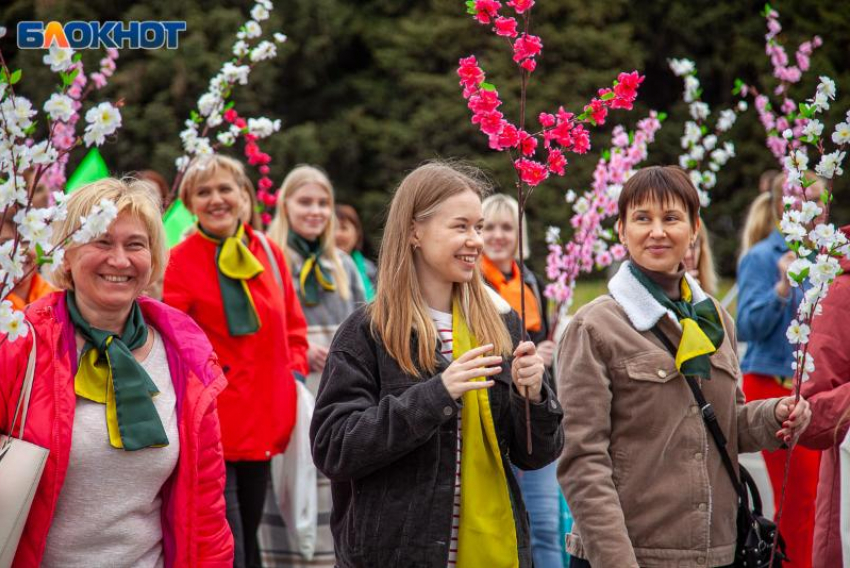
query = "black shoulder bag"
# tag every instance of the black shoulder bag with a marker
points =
(755, 532)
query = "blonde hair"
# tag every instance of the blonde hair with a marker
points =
(203, 167)
(705, 266)
(763, 215)
(279, 229)
(501, 204)
(399, 308)
(136, 197)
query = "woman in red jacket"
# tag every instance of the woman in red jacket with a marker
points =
(129, 463)
(828, 392)
(236, 286)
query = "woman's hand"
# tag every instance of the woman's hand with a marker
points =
(793, 417)
(457, 378)
(527, 370)
(783, 287)
(546, 350)
(316, 357)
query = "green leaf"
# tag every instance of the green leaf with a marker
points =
(31, 128)
(738, 86)
(703, 129)
(16, 76)
(698, 94)
(194, 116)
(470, 7)
(484, 86)
(631, 138)
(229, 105)
(606, 155)
(662, 116)
(825, 196)
(808, 182)
(3, 77)
(767, 10)
(77, 57)
(608, 96)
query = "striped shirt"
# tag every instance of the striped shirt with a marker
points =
(443, 322)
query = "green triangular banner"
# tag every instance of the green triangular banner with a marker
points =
(176, 220)
(92, 168)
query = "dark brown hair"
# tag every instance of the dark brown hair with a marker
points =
(348, 213)
(660, 184)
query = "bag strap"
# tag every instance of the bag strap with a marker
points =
(710, 419)
(26, 389)
(275, 268)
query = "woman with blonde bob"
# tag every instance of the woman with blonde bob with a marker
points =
(418, 409)
(124, 398)
(234, 282)
(329, 290)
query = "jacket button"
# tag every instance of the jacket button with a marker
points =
(553, 405)
(701, 560)
(694, 409)
(661, 373)
(447, 411)
(701, 507)
(698, 456)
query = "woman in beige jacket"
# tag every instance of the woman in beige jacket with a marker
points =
(643, 478)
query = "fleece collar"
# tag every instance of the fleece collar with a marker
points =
(642, 309)
(502, 306)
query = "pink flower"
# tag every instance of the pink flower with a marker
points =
(627, 86)
(266, 217)
(581, 139)
(527, 46)
(506, 27)
(484, 101)
(531, 172)
(817, 41)
(562, 133)
(597, 111)
(509, 136)
(470, 74)
(486, 9)
(546, 120)
(265, 183)
(528, 144)
(803, 61)
(230, 115)
(264, 170)
(777, 145)
(618, 252)
(490, 123)
(556, 162)
(521, 5)
(788, 106)
(99, 80)
(529, 65)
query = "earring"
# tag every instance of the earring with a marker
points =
(415, 246)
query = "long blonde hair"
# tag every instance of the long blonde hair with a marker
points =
(399, 308)
(279, 228)
(705, 266)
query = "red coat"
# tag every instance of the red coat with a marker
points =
(828, 392)
(257, 409)
(194, 528)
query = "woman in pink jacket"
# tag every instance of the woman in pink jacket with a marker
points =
(828, 392)
(124, 398)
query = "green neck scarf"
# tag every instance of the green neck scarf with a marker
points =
(702, 328)
(236, 265)
(312, 276)
(109, 374)
(360, 263)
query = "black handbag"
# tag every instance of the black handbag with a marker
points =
(755, 532)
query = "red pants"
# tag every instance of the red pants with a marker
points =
(798, 513)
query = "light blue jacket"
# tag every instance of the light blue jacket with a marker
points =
(763, 316)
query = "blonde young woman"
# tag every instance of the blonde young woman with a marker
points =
(699, 261)
(329, 290)
(766, 305)
(235, 284)
(420, 405)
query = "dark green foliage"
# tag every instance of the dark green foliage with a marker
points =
(368, 89)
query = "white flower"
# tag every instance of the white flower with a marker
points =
(181, 162)
(742, 106)
(709, 180)
(726, 120)
(729, 148)
(691, 88)
(263, 127)
(56, 259)
(266, 50)
(553, 235)
(720, 157)
(824, 235)
(797, 333)
(842, 133)
(704, 198)
(793, 177)
(697, 153)
(824, 270)
(814, 128)
(12, 190)
(794, 232)
(2, 31)
(581, 206)
(240, 49)
(696, 179)
(208, 103)
(820, 102)
(252, 29)
(103, 120)
(259, 13)
(808, 211)
(235, 73)
(684, 161)
(830, 164)
(280, 38)
(797, 269)
(13, 325)
(827, 87)
(11, 260)
(709, 142)
(681, 67)
(17, 115)
(699, 110)
(59, 58)
(798, 160)
(226, 138)
(59, 107)
(692, 135)
(43, 153)
(96, 223)
(570, 196)
(788, 200)
(613, 191)
(214, 119)
(788, 134)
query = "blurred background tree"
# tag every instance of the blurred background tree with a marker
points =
(368, 90)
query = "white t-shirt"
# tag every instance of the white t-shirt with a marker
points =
(109, 509)
(443, 322)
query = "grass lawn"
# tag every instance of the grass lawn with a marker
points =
(587, 290)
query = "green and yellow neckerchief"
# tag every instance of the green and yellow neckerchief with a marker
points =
(487, 532)
(702, 328)
(235, 266)
(109, 374)
(312, 275)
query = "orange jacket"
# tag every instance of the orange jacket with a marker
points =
(194, 528)
(257, 409)
(39, 288)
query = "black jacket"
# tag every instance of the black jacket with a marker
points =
(387, 441)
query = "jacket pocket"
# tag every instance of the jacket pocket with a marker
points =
(725, 362)
(651, 366)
